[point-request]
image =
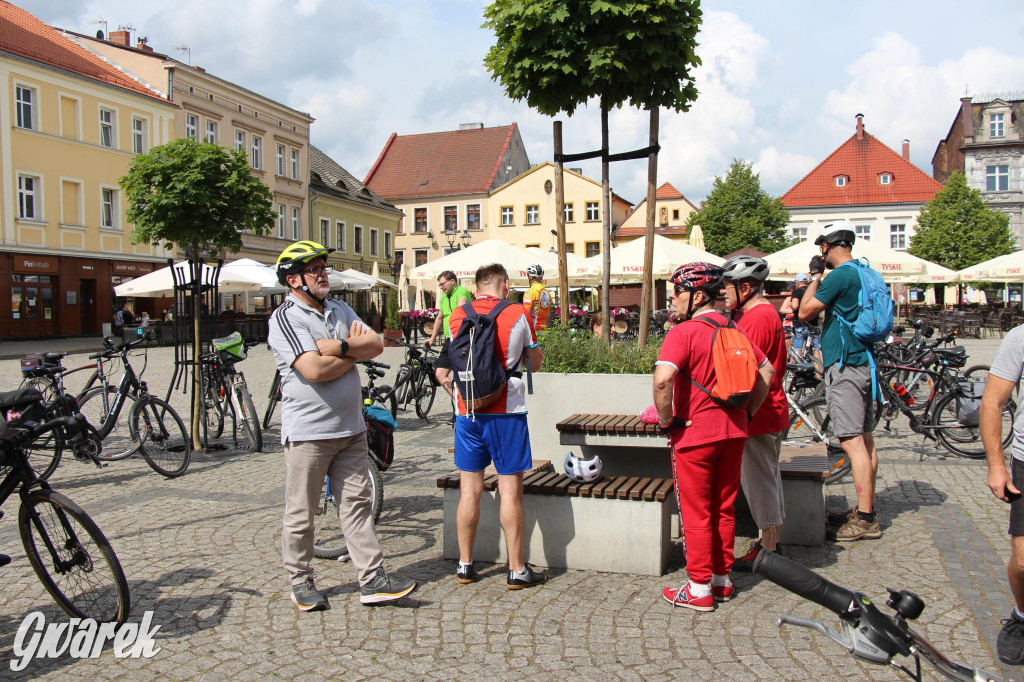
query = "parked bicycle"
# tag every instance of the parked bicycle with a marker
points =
(381, 395)
(68, 552)
(865, 632)
(415, 382)
(225, 393)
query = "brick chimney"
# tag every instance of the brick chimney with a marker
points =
(906, 150)
(141, 44)
(121, 38)
(967, 115)
(860, 126)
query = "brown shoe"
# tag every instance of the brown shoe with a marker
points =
(857, 529)
(838, 518)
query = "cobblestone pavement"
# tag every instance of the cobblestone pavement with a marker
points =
(203, 553)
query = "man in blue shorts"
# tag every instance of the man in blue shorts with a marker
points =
(497, 433)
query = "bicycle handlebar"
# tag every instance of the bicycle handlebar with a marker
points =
(111, 350)
(804, 582)
(29, 431)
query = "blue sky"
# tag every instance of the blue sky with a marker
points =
(780, 84)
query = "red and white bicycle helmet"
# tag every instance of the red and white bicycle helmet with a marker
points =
(581, 469)
(698, 276)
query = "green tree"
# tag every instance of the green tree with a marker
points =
(392, 319)
(957, 229)
(739, 213)
(197, 197)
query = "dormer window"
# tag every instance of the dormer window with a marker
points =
(841, 180)
(885, 179)
(995, 125)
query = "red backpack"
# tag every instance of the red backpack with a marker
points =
(735, 365)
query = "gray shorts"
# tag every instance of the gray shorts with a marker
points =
(848, 393)
(1017, 508)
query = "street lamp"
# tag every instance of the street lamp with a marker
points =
(395, 264)
(456, 241)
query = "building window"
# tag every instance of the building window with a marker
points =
(373, 241)
(25, 99)
(532, 214)
(862, 232)
(593, 248)
(451, 218)
(280, 221)
(257, 153)
(357, 239)
(995, 125)
(419, 257)
(898, 236)
(340, 230)
(675, 214)
(568, 213)
(840, 181)
(473, 217)
(419, 220)
(507, 216)
(593, 211)
(325, 232)
(295, 164)
(570, 247)
(29, 207)
(139, 136)
(387, 245)
(108, 208)
(107, 128)
(280, 159)
(885, 178)
(211, 131)
(296, 233)
(192, 126)
(240, 141)
(997, 178)
(799, 232)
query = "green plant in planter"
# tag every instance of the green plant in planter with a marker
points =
(391, 318)
(570, 352)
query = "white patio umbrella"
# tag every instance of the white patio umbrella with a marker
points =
(627, 261)
(894, 266)
(1008, 268)
(464, 263)
(697, 237)
(372, 280)
(160, 283)
(577, 266)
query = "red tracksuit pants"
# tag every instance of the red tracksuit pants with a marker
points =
(707, 478)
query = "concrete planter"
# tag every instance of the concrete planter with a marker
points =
(392, 338)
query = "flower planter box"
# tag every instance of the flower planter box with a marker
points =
(392, 338)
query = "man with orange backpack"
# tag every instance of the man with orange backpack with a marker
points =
(708, 381)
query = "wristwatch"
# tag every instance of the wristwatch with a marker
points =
(816, 278)
(344, 347)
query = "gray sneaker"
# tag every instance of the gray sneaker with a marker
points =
(384, 589)
(307, 597)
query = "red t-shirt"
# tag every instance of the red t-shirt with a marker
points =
(764, 329)
(687, 346)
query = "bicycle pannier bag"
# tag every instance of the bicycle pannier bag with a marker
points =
(968, 408)
(478, 366)
(231, 344)
(735, 365)
(380, 434)
(21, 405)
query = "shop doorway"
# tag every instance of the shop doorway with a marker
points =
(90, 323)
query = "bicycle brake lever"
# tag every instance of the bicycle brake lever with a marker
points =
(817, 626)
(851, 638)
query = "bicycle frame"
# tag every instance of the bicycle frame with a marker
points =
(129, 383)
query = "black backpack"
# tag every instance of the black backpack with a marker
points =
(478, 367)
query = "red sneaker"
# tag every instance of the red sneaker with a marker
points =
(680, 596)
(722, 592)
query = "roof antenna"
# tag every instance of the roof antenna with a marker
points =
(187, 50)
(102, 35)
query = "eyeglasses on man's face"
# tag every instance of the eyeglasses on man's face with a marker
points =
(318, 269)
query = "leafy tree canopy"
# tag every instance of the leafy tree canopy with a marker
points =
(739, 213)
(195, 194)
(557, 54)
(957, 229)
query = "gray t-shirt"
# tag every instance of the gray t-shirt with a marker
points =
(314, 410)
(1009, 365)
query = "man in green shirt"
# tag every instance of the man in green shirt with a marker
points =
(847, 374)
(453, 296)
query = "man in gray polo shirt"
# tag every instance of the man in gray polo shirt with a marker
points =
(1003, 379)
(316, 341)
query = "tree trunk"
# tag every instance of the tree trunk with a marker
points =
(652, 178)
(563, 269)
(606, 241)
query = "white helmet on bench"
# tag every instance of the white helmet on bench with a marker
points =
(582, 469)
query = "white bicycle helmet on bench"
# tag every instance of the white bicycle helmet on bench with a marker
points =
(582, 469)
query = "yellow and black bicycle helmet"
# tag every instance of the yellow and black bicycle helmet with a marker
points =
(296, 256)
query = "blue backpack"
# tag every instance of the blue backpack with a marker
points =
(874, 315)
(478, 367)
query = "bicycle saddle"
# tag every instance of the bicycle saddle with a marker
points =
(801, 367)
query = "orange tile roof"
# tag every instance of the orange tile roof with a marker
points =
(667, 231)
(440, 164)
(862, 162)
(667, 191)
(24, 35)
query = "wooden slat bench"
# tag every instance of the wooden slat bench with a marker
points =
(803, 469)
(619, 524)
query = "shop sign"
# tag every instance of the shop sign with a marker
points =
(35, 264)
(130, 268)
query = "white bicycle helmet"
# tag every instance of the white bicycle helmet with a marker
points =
(740, 268)
(535, 271)
(582, 470)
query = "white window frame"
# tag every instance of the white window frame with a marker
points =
(357, 240)
(387, 245)
(997, 125)
(595, 208)
(192, 126)
(108, 128)
(34, 194)
(568, 210)
(279, 156)
(863, 232)
(898, 236)
(29, 105)
(140, 136)
(240, 141)
(280, 220)
(211, 131)
(508, 216)
(325, 232)
(111, 220)
(993, 175)
(533, 214)
(295, 164)
(840, 181)
(296, 224)
(373, 242)
(339, 231)
(885, 179)
(257, 153)
(799, 232)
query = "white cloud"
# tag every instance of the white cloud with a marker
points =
(782, 169)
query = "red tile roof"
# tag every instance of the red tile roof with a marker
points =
(862, 162)
(440, 164)
(24, 35)
(667, 191)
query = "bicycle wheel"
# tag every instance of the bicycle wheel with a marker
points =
(118, 444)
(385, 395)
(813, 427)
(45, 452)
(425, 390)
(963, 440)
(977, 373)
(72, 558)
(328, 540)
(164, 442)
(274, 399)
(213, 409)
(246, 412)
(43, 384)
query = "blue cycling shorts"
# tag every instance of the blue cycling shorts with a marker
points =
(499, 438)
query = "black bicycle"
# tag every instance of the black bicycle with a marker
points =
(415, 382)
(225, 393)
(866, 633)
(68, 552)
